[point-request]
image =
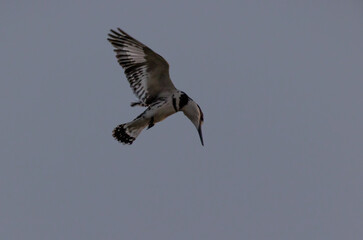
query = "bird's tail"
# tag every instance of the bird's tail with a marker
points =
(127, 133)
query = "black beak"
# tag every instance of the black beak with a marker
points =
(200, 134)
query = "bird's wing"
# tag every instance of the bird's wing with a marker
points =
(146, 71)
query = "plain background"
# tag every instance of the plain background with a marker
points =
(280, 83)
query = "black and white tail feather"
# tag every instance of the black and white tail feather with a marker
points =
(148, 75)
(120, 134)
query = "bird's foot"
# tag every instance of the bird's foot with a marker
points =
(141, 104)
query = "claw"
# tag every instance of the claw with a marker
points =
(141, 104)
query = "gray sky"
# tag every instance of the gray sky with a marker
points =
(280, 84)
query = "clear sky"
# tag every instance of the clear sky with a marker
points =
(281, 87)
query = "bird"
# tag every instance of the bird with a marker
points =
(148, 75)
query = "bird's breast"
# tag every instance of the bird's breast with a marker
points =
(161, 112)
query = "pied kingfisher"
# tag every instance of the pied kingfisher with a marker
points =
(148, 75)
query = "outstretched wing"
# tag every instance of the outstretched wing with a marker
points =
(146, 71)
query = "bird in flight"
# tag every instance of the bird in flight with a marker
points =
(148, 75)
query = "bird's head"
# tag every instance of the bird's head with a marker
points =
(195, 114)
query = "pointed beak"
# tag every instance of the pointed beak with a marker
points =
(200, 134)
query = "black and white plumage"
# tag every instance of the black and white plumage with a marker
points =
(148, 75)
